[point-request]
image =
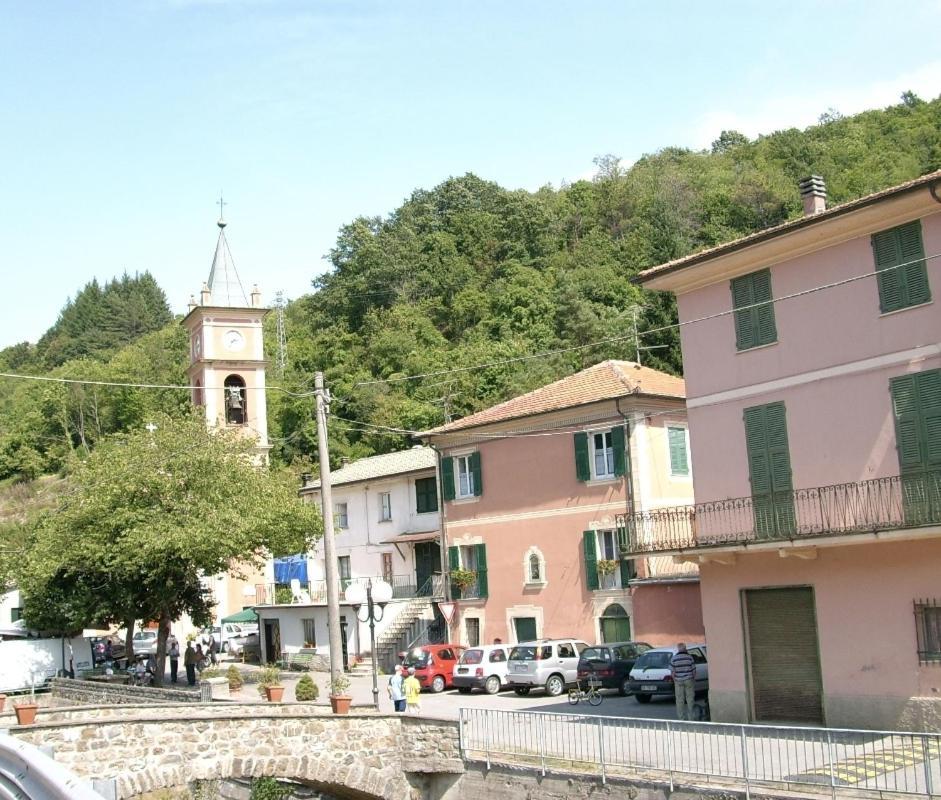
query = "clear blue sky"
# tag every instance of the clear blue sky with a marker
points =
(121, 121)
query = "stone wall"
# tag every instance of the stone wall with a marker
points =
(88, 692)
(154, 748)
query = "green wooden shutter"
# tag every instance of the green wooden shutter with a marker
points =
(617, 444)
(765, 330)
(582, 458)
(769, 467)
(679, 458)
(475, 471)
(481, 553)
(916, 403)
(454, 562)
(591, 560)
(447, 478)
(742, 295)
(929, 395)
(907, 438)
(627, 565)
(901, 286)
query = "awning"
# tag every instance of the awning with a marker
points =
(404, 538)
(291, 568)
(246, 615)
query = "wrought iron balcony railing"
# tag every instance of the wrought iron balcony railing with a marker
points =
(315, 592)
(881, 504)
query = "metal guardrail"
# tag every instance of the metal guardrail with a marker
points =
(817, 760)
(315, 592)
(27, 772)
(891, 503)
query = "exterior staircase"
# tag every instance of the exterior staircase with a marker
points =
(415, 624)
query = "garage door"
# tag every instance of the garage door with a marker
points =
(783, 655)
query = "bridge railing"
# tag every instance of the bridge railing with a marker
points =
(822, 760)
(27, 772)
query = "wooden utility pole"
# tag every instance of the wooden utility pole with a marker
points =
(337, 667)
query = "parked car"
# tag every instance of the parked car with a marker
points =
(434, 664)
(224, 634)
(481, 667)
(610, 664)
(651, 675)
(550, 663)
(246, 644)
(99, 648)
(145, 642)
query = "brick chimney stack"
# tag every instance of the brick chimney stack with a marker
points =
(814, 194)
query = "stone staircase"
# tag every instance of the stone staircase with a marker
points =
(411, 623)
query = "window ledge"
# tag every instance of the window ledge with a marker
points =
(425, 513)
(463, 500)
(756, 347)
(535, 584)
(604, 481)
(383, 521)
(907, 308)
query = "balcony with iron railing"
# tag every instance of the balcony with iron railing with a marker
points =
(845, 509)
(404, 587)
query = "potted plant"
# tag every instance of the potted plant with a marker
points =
(235, 679)
(462, 580)
(3, 701)
(26, 707)
(606, 566)
(306, 690)
(269, 684)
(339, 700)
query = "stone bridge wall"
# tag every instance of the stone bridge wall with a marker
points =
(84, 691)
(146, 749)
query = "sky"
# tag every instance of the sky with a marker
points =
(122, 122)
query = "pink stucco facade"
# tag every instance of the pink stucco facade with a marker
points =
(830, 366)
(533, 503)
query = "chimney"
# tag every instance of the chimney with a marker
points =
(344, 462)
(306, 479)
(814, 194)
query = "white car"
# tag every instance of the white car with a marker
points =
(145, 642)
(652, 677)
(481, 667)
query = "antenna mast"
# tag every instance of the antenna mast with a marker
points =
(282, 336)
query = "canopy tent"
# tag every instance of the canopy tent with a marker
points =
(246, 615)
(288, 568)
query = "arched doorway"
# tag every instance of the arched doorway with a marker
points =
(236, 408)
(615, 624)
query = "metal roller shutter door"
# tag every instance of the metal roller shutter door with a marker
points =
(783, 655)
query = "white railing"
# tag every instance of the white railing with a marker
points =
(27, 772)
(815, 759)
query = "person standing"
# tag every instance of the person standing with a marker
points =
(213, 649)
(397, 689)
(189, 663)
(412, 692)
(173, 650)
(683, 670)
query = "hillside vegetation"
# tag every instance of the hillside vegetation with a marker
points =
(466, 274)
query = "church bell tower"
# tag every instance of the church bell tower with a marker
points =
(227, 358)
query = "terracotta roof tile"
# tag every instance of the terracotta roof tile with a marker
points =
(382, 466)
(784, 227)
(604, 381)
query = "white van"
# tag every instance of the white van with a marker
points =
(481, 667)
(26, 663)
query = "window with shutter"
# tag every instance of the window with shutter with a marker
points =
(902, 276)
(447, 478)
(769, 469)
(916, 403)
(582, 459)
(679, 451)
(591, 560)
(754, 311)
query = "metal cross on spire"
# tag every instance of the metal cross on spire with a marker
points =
(222, 203)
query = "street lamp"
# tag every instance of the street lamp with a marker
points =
(377, 593)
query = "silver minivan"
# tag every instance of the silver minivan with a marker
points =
(550, 663)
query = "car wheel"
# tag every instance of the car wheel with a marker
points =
(492, 685)
(642, 698)
(625, 688)
(555, 686)
(225, 647)
(522, 691)
(464, 689)
(437, 684)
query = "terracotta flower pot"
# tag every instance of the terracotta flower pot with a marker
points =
(26, 713)
(3, 701)
(340, 703)
(274, 693)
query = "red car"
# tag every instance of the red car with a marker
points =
(434, 664)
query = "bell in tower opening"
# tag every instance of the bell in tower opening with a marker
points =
(235, 408)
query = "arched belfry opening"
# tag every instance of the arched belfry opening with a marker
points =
(236, 408)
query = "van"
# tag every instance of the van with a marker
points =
(481, 667)
(550, 663)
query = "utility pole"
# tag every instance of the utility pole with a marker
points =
(337, 667)
(282, 335)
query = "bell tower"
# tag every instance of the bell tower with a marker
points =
(227, 357)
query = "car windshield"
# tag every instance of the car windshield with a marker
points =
(416, 658)
(472, 657)
(654, 660)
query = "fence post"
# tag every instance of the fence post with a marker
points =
(830, 765)
(670, 753)
(745, 765)
(460, 731)
(927, 756)
(541, 732)
(487, 741)
(604, 775)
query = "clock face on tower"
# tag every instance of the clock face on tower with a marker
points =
(233, 341)
(197, 346)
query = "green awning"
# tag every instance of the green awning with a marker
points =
(245, 615)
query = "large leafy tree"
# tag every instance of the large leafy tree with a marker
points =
(148, 514)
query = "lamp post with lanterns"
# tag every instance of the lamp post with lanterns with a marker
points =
(373, 594)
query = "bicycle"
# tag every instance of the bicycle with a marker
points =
(591, 694)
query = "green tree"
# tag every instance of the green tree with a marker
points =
(148, 514)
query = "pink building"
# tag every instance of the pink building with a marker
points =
(534, 489)
(813, 375)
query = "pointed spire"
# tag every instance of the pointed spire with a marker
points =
(224, 285)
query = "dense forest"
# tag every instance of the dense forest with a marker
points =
(464, 274)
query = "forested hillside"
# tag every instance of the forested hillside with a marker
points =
(468, 274)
